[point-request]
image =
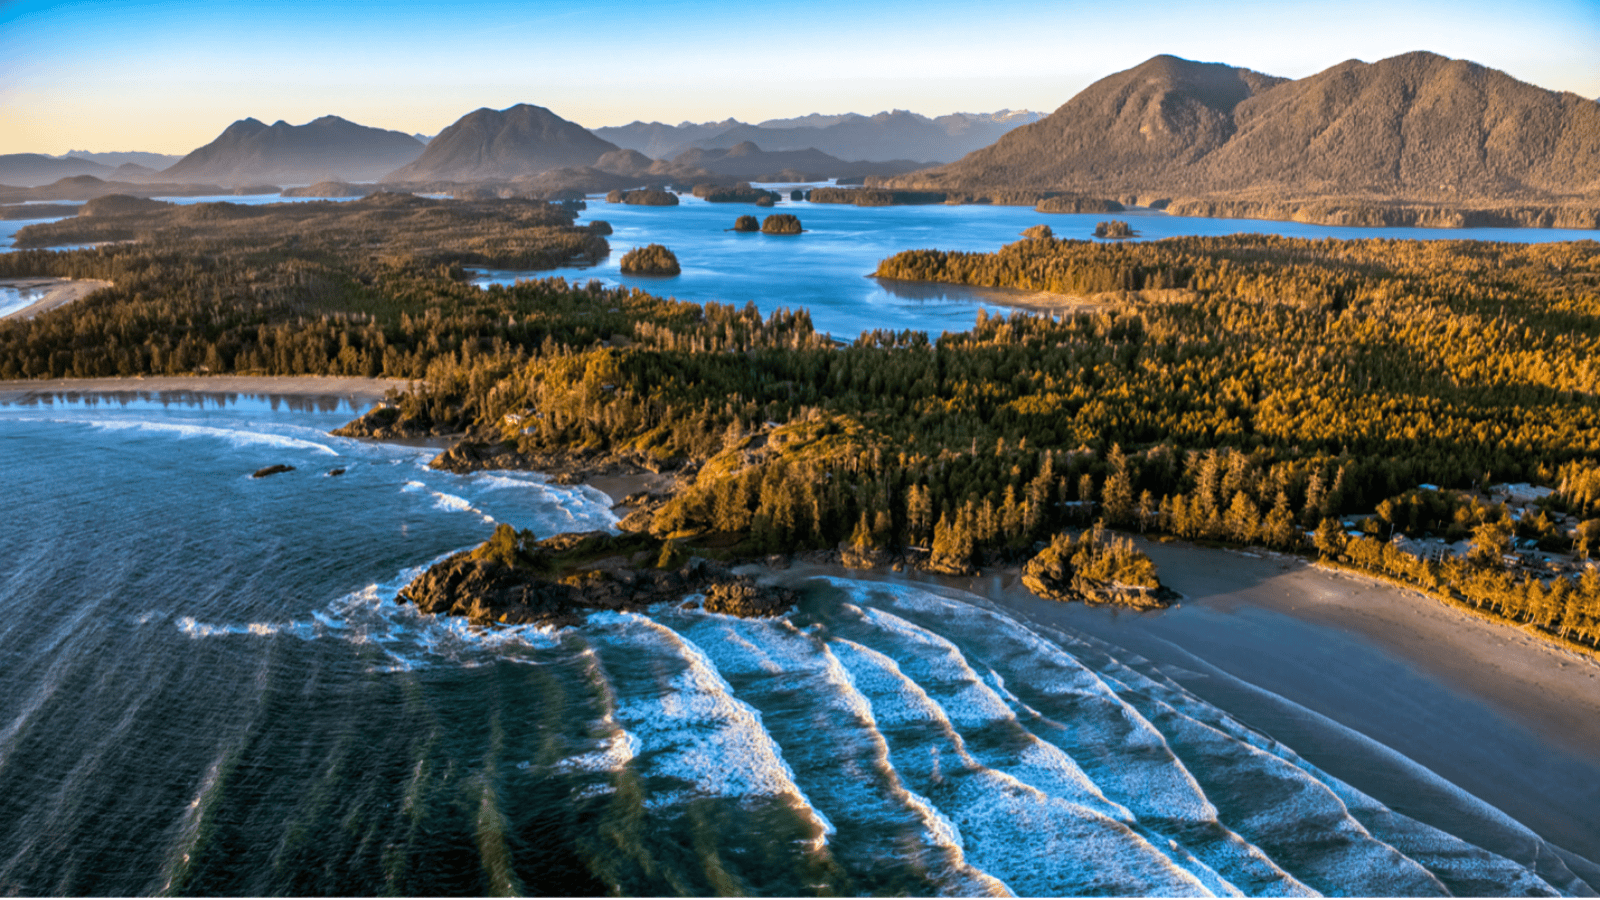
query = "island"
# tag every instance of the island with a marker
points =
(746, 223)
(781, 223)
(1115, 229)
(651, 259)
(739, 193)
(643, 197)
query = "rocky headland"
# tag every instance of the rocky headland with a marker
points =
(514, 579)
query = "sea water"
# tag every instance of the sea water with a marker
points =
(209, 688)
(827, 268)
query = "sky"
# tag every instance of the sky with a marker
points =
(169, 75)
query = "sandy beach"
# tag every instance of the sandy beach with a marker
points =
(1307, 654)
(364, 389)
(1379, 686)
(57, 292)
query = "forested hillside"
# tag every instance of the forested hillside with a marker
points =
(1248, 389)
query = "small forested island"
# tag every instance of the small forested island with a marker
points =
(1071, 203)
(1363, 401)
(643, 197)
(739, 193)
(781, 223)
(746, 223)
(1115, 229)
(651, 259)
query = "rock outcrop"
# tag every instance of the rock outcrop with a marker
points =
(515, 580)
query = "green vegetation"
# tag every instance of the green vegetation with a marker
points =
(1116, 228)
(746, 223)
(1071, 203)
(1245, 389)
(1095, 567)
(643, 197)
(781, 223)
(652, 259)
(369, 287)
(739, 193)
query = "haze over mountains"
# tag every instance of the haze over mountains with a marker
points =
(325, 149)
(495, 145)
(1418, 126)
(1206, 138)
(896, 135)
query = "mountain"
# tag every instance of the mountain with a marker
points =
(494, 145)
(748, 162)
(660, 141)
(896, 135)
(326, 149)
(152, 161)
(1416, 127)
(32, 169)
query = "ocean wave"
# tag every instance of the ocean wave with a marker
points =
(232, 436)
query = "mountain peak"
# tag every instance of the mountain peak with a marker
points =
(1418, 125)
(495, 145)
(326, 149)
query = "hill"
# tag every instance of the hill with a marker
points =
(326, 149)
(33, 169)
(749, 162)
(153, 161)
(1129, 128)
(1417, 128)
(495, 145)
(896, 135)
(660, 141)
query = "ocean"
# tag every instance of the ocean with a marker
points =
(208, 688)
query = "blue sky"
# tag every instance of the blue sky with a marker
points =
(169, 75)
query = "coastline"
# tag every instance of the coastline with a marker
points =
(365, 389)
(1510, 719)
(58, 292)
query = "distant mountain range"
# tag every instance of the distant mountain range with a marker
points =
(1201, 138)
(897, 135)
(1418, 126)
(326, 149)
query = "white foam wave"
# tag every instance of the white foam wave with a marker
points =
(692, 728)
(1125, 755)
(1463, 866)
(825, 726)
(1037, 844)
(447, 502)
(235, 437)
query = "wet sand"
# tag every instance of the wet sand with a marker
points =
(57, 292)
(365, 389)
(1308, 655)
(1381, 687)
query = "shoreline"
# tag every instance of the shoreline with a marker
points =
(1510, 719)
(58, 292)
(1382, 690)
(366, 389)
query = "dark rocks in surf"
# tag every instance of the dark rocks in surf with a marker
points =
(515, 579)
(272, 470)
(335, 473)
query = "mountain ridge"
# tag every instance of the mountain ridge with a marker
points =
(488, 144)
(1416, 127)
(328, 148)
